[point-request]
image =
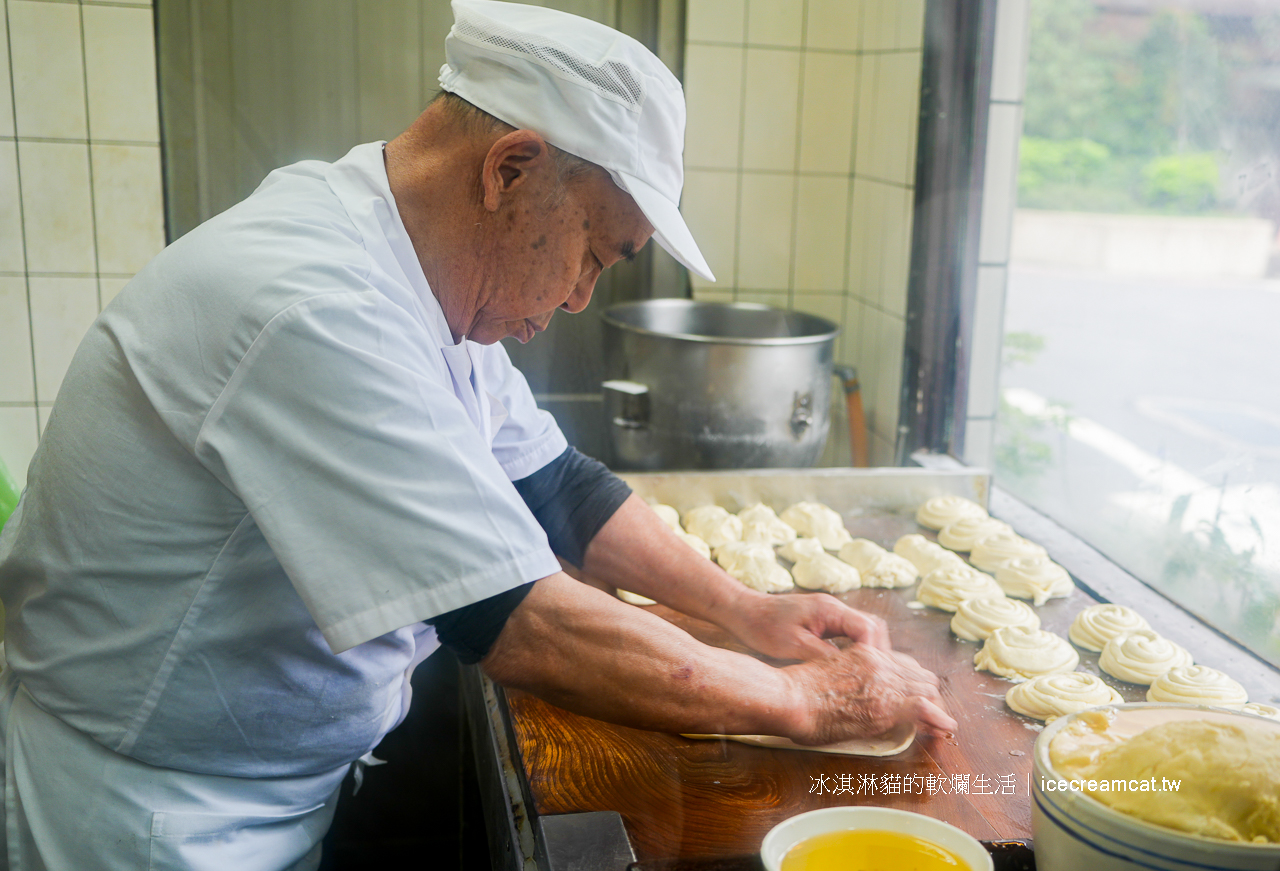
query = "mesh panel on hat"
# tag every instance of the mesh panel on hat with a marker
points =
(612, 79)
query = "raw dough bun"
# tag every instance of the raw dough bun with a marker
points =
(761, 524)
(1037, 578)
(714, 525)
(1098, 624)
(1019, 653)
(943, 511)
(1226, 774)
(947, 587)
(1055, 695)
(754, 565)
(968, 531)
(995, 550)
(634, 598)
(1197, 685)
(891, 743)
(924, 554)
(1259, 710)
(815, 520)
(976, 619)
(667, 515)
(825, 572)
(694, 542)
(878, 567)
(800, 548)
(1141, 656)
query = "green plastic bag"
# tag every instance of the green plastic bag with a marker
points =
(8, 493)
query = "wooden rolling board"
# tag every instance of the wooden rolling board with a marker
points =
(681, 797)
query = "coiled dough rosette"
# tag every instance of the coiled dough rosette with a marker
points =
(1259, 710)
(825, 572)
(942, 511)
(1037, 578)
(815, 520)
(924, 554)
(877, 566)
(1098, 624)
(995, 550)
(1197, 685)
(947, 587)
(976, 619)
(968, 531)
(1141, 656)
(754, 565)
(1050, 696)
(714, 525)
(761, 524)
(1019, 653)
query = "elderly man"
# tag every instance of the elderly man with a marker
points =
(291, 459)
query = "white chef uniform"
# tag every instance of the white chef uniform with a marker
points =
(268, 462)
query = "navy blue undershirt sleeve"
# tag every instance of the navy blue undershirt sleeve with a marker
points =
(572, 497)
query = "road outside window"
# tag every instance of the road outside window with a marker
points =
(1140, 390)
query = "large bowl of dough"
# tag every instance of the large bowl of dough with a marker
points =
(1172, 787)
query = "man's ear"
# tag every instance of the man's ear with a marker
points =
(509, 163)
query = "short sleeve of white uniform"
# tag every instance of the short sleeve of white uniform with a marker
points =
(375, 491)
(529, 437)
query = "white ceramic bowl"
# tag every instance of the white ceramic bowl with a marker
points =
(1073, 831)
(788, 833)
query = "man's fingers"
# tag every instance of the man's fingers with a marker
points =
(864, 627)
(934, 719)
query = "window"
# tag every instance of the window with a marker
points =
(1140, 387)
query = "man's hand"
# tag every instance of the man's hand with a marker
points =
(794, 625)
(864, 691)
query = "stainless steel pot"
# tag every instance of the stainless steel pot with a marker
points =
(699, 385)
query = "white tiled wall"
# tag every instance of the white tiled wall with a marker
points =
(999, 196)
(800, 167)
(81, 208)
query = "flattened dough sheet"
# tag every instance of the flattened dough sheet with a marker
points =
(890, 743)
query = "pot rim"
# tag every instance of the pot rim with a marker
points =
(811, 339)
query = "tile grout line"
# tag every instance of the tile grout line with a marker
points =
(88, 123)
(795, 159)
(22, 222)
(742, 136)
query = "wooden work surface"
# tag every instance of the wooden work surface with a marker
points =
(681, 797)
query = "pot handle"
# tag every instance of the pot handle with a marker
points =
(627, 404)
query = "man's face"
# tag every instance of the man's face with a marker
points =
(549, 256)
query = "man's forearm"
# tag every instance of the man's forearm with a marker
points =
(587, 652)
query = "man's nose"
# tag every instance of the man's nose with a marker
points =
(581, 295)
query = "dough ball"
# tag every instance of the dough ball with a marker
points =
(714, 525)
(947, 587)
(634, 598)
(1259, 710)
(877, 566)
(1141, 656)
(924, 554)
(754, 565)
(995, 550)
(815, 520)
(1050, 696)
(1098, 624)
(1037, 578)
(667, 515)
(943, 511)
(694, 542)
(1197, 685)
(976, 619)
(760, 524)
(1019, 653)
(966, 532)
(801, 548)
(825, 572)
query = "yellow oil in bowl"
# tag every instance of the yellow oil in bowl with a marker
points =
(870, 850)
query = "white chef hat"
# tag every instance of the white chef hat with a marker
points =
(588, 90)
